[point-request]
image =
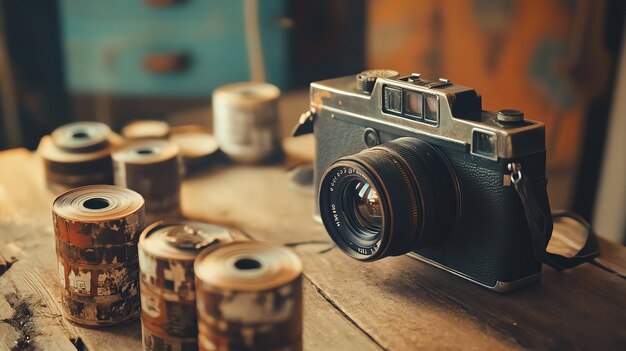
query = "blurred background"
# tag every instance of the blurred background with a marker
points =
(560, 61)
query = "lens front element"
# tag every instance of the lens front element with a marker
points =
(363, 211)
(367, 213)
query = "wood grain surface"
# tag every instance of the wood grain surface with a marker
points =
(394, 304)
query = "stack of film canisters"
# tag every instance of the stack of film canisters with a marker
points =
(197, 288)
(78, 154)
(202, 290)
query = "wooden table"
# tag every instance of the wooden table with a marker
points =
(393, 304)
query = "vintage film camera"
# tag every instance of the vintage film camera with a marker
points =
(407, 165)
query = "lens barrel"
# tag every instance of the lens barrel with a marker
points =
(389, 199)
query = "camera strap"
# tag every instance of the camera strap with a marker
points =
(572, 242)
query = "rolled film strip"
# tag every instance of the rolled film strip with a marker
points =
(152, 168)
(78, 154)
(246, 121)
(249, 297)
(167, 250)
(97, 229)
(197, 146)
(146, 129)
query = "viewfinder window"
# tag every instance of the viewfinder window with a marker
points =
(413, 104)
(484, 144)
(392, 100)
(431, 109)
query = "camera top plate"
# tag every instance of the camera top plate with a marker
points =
(456, 114)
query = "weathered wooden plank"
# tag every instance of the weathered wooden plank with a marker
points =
(612, 255)
(29, 289)
(30, 314)
(324, 330)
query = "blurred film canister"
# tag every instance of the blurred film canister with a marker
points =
(97, 228)
(152, 168)
(249, 297)
(168, 297)
(146, 129)
(246, 121)
(78, 154)
(197, 146)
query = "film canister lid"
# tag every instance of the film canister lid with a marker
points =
(81, 137)
(182, 240)
(146, 152)
(247, 266)
(97, 203)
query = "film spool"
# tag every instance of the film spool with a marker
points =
(197, 145)
(246, 121)
(97, 228)
(168, 297)
(146, 129)
(78, 154)
(249, 297)
(153, 169)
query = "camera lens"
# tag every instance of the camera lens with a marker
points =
(389, 199)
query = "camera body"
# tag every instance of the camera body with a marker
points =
(478, 228)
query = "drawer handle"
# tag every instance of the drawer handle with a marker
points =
(163, 3)
(166, 63)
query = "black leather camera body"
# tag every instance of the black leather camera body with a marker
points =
(407, 165)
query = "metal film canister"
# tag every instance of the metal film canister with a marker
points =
(249, 297)
(97, 228)
(197, 146)
(78, 154)
(246, 121)
(152, 168)
(168, 296)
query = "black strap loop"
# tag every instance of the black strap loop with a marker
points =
(538, 225)
(589, 251)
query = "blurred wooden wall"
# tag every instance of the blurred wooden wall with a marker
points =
(546, 58)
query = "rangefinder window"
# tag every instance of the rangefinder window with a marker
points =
(431, 109)
(413, 104)
(392, 100)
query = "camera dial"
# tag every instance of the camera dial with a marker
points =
(510, 116)
(389, 199)
(365, 80)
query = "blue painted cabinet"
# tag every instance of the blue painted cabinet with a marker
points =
(106, 43)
